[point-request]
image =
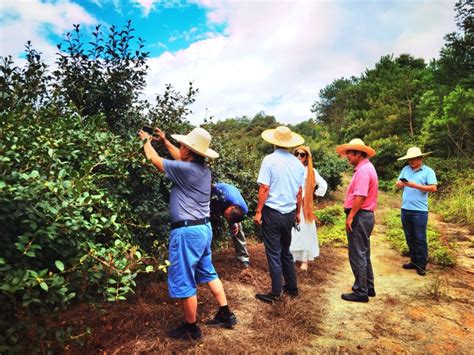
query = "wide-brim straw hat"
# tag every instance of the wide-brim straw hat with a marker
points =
(198, 140)
(413, 152)
(355, 144)
(282, 136)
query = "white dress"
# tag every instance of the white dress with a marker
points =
(304, 244)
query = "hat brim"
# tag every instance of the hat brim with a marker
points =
(342, 149)
(405, 157)
(295, 140)
(209, 153)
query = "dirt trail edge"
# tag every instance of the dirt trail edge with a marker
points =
(410, 313)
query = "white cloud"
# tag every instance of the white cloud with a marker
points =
(150, 5)
(147, 5)
(432, 21)
(33, 20)
(273, 56)
(276, 56)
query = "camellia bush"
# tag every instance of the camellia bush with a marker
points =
(68, 229)
(82, 212)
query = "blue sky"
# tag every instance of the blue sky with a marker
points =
(165, 27)
(245, 56)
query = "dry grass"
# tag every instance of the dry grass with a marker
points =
(138, 325)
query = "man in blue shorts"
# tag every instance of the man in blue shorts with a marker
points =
(191, 234)
(416, 180)
(228, 201)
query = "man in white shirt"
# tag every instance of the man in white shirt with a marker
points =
(279, 201)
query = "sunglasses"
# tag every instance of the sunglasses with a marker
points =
(299, 154)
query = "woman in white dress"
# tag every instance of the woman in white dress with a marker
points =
(304, 243)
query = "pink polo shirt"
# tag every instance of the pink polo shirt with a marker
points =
(364, 183)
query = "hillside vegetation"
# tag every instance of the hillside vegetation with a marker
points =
(82, 213)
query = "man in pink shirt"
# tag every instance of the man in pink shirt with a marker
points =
(359, 205)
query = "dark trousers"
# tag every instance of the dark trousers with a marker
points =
(276, 229)
(240, 244)
(414, 225)
(359, 251)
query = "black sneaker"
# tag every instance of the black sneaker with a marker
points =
(183, 332)
(409, 266)
(222, 321)
(354, 298)
(268, 297)
(293, 292)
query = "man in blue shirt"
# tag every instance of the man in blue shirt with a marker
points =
(191, 234)
(280, 178)
(228, 201)
(416, 180)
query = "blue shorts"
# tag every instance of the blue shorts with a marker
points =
(190, 260)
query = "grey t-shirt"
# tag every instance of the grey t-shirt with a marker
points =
(191, 192)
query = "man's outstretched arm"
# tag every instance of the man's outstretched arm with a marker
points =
(150, 152)
(172, 149)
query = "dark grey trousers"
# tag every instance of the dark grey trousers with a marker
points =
(276, 230)
(240, 245)
(359, 251)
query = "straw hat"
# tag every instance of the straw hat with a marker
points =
(355, 144)
(282, 136)
(198, 141)
(413, 152)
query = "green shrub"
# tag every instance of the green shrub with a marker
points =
(438, 252)
(68, 226)
(334, 234)
(385, 161)
(329, 215)
(82, 212)
(332, 230)
(456, 202)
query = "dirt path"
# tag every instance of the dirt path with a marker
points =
(411, 313)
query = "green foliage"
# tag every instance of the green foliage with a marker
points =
(385, 161)
(332, 230)
(105, 75)
(382, 102)
(439, 252)
(330, 215)
(456, 63)
(82, 213)
(450, 123)
(456, 203)
(68, 227)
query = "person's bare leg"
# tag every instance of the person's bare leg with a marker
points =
(304, 265)
(190, 308)
(217, 290)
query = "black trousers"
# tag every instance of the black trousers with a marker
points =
(276, 230)
(359, 251)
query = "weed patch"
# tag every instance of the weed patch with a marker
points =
(457, 204)
(438, 288)
(332, 230)
(439, 251)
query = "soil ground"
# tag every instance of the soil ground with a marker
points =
(431, 314)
